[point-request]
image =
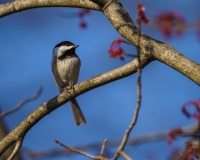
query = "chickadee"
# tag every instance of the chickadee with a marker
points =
(65, 66)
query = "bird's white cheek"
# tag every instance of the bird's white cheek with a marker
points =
(62, 49)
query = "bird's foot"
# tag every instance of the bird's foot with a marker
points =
(70, 87)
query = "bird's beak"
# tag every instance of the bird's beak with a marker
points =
(75, 46)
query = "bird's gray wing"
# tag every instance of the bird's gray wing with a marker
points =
(56, 76)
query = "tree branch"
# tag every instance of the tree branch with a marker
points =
(103, 147)
(16, 149)
(120, 19)
(64, 97)
(21, 5)
(3, 132)
(120, 149)
(162, 52)
(122, 22)
(81, 152)
(133, 141)
(112, 143)
(126, 156)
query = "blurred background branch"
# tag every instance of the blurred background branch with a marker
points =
(3, 127)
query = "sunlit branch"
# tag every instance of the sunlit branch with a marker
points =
(21, 5)
(64, 97)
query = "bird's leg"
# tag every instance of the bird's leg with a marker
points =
(66, 89)
(70, 87)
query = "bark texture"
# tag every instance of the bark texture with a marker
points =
(151, 49)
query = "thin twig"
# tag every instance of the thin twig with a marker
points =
(135, 140)
(16, 149)
(103, 147)
(22, 103)
(136, 112)
(145, 138)
(130, 55)
(126, 156)
(80, 152)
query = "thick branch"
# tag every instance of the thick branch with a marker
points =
(120, 19)
(64, 97)
(122, 22)
(163, 52)
(20, 5)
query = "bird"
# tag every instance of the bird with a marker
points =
(65, 66)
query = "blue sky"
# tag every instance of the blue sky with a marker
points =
(27, 40)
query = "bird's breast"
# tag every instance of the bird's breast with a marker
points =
(67, 71)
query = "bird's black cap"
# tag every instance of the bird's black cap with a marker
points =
(64, 43)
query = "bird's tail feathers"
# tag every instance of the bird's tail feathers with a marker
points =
(78, 114)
